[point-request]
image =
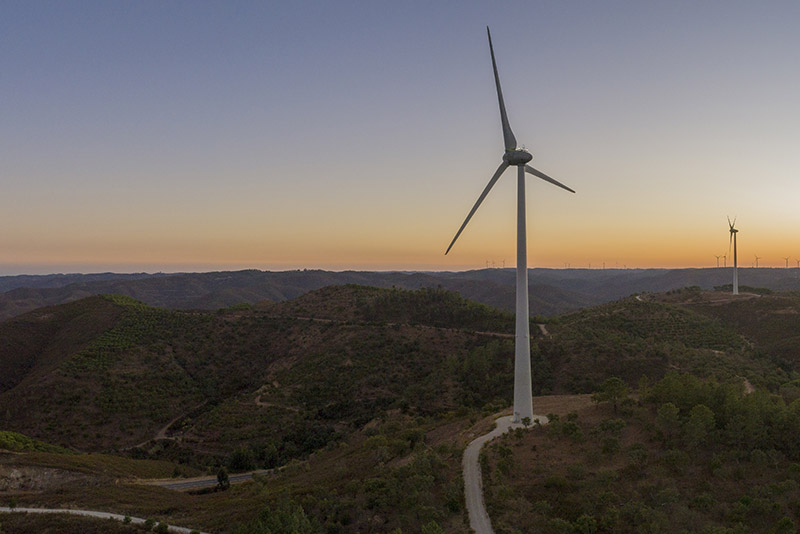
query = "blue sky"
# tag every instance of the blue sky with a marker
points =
(199, 135)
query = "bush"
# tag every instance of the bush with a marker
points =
(610, 445)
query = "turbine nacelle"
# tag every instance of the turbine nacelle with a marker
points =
(517, 157)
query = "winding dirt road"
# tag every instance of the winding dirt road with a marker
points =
(92, 513)
(473, 483)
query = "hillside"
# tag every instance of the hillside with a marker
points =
(112, 384)
(771, 321)
(690, 456)
(110, 373)
(649, 336)
(362, 396)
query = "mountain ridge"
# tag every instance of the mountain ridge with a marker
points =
(551, 291)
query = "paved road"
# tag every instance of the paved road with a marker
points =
(203, 482)
(92, 513)
(473, 484)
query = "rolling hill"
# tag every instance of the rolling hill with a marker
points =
(552, 291)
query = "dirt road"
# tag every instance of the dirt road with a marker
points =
(92, 513)
(473, 483)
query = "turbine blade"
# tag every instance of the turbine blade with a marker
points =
(729, 223)
(508, 136)
(546, 178)
(503, 166)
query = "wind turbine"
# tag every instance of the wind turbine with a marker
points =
(757, 258)
(718, 257)
(734, 231)
(787, 261)
(724, 260)
(519, 157)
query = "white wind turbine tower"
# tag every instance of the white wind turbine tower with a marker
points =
(519, 157)
(734, 231)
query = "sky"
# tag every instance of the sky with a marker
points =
(195, 136)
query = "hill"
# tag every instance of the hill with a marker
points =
(108, 373)
(111, 373)
(689, 456)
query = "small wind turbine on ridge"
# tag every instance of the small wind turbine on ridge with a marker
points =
(757, 258)
(734, 231)
(518, 157)
(718, 257)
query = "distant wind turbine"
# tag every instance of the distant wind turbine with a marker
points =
(757, 258)
(718, 257)
(734, 231)
(519, 157)
(724, 260)
(787, 261)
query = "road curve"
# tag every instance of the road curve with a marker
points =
(479, 520)
(92, 513)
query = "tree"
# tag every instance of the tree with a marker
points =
(667, 421)
(586, 524)
(699, 426)
(286, 517)
(432, 528)
(223, 481)
(242, 460)
(613, 390)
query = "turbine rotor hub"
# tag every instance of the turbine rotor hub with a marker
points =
(519, 156)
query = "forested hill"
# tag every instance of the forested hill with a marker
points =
(552, 291)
